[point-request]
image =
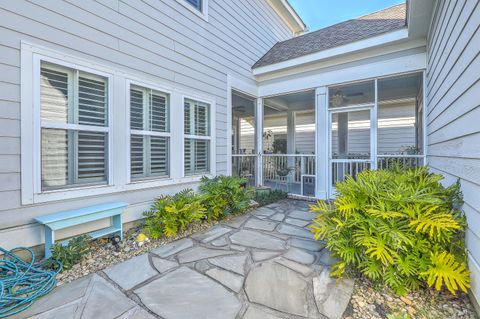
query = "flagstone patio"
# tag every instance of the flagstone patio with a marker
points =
(264, 265)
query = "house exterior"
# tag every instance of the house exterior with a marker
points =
(113, 100)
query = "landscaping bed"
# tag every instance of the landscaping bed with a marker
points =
(103, 253)
(374, 302)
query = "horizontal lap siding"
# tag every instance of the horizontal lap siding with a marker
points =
(453, 128)
(156, 40)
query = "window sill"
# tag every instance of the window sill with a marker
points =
(82, 192)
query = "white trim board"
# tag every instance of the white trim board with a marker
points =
(365, 71)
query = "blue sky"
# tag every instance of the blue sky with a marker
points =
(322, 13)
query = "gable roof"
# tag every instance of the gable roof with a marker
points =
(367, 26)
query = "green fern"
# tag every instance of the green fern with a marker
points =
(398, 226)
(444, 269)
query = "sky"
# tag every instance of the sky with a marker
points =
(322, 13)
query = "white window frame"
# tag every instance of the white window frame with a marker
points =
(203, 13)
(169, 93)
(118, 125)
(211, 137)
(31, 124)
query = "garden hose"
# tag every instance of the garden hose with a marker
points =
(21, 282)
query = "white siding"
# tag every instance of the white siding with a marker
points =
(156, 40)
(453, 129)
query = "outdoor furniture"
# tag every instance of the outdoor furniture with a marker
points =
(57, 221)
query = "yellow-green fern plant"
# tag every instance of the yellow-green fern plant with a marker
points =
(400, 227)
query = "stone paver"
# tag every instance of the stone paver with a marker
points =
(299, 255)
(198, 253)
(226, 278)
(263, 265)
(294, 231)
(212, 234)
(307, 244)
(278, 287)
(163, 265)
(278, 217)
(186, 294)
(260, 224)
(232, 263)
(123, 275)
(173, 248)
(297, 222)
(330, 295)
(254, 239)
(301, 214)
(220, 242)
(256, 313)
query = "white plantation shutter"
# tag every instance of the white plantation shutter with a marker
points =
(149, 136)
(197, 137)
(71, 100)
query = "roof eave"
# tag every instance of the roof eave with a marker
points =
(288, 14)
(368, 43)
(419, 16)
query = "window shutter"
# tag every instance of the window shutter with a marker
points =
(202, 154)
(159, 155)
(92, 100)
(187, 121)
(92, 152)
(201, 119)
(136, 155)
(136, 109)
(158, 113)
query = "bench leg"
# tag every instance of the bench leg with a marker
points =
(117, 223)
(49, 241)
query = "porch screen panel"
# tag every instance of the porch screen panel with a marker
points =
(74, 121)
(197, 137)
(150, 133)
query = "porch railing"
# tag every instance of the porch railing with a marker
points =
(295, 165)
(341, 168)
(387, 161)
(244, 165)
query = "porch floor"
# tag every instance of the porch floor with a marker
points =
(262, 265)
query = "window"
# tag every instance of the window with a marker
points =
(149, 133)
(74, 127)
(197, 4)
(197, 137)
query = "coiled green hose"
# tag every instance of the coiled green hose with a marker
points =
(21, 282)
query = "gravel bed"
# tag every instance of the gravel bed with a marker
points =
(371, 302)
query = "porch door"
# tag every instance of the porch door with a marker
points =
(350, 143)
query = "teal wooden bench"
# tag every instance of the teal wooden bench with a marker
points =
(57, 221)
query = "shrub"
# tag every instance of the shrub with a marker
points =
(399, 227)
(69, 254)
(265, 198)
(224, 195)
(169, 214)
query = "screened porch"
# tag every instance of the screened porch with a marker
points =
(305, 142)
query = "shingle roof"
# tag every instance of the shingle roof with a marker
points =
(338, 34)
